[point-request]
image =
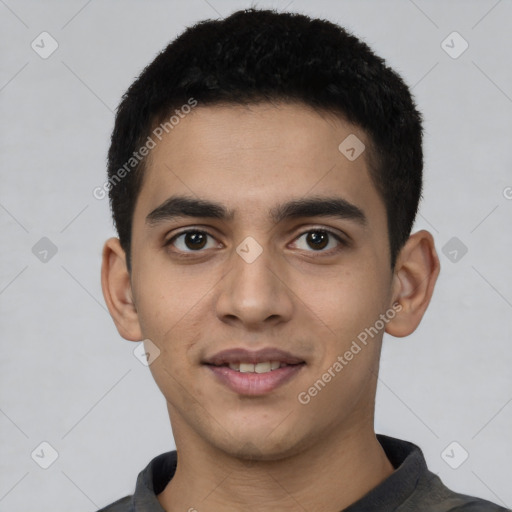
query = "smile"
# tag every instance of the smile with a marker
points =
(264, 367)
(255, 379)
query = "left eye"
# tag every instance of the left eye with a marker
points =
(318, 240)
(192, 241)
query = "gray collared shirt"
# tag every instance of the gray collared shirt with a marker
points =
(410, 488)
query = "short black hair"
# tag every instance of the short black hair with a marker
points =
(256, 56)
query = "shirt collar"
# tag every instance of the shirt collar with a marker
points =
(406, 458)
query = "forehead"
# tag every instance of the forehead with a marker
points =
(251, 158)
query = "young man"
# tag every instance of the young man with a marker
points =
(264, 175)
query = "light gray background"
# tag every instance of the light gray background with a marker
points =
(67, 377)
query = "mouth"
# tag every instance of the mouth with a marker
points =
(254, 373)
(263, 367)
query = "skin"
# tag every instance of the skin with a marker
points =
(248, 453)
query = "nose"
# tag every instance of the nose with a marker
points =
(254, 294)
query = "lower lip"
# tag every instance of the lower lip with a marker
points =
(253, 384)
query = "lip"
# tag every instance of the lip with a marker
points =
(254, 384)
(240, 355)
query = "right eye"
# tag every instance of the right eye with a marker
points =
(191, 240)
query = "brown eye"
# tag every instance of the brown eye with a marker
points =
(319, 240)
(195, 240)
(192, 241)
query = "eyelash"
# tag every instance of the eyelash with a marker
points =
(185, 254)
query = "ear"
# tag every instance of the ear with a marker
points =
(117, 290)
(414, 278)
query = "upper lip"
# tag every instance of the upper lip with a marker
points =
(240, 355)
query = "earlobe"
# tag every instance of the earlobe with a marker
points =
(117, 290)
(415, 276)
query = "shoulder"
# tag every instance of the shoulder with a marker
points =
(121, 505)
(434, 496)
(422, 490)
(464, 503)
(477, 505)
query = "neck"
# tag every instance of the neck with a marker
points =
(326, 477)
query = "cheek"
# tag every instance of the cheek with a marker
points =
(347, 356)
(345, 302)
(169, 298)
(172, 314)
(176, 366)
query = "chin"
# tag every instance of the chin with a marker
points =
(262, 445)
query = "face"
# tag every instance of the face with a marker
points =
(286, 267)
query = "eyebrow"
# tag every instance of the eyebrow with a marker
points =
(182, 206)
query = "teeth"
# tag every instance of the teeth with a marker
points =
(246, 368)
(264, 367)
